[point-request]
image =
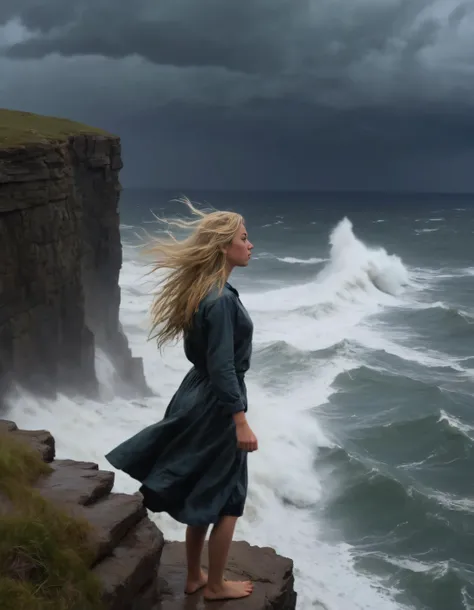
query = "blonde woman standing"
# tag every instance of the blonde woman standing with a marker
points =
(193, 463)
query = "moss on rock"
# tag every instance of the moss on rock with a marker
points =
(20, 128)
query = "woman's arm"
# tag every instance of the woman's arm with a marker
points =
(221, 367)
(220, 363)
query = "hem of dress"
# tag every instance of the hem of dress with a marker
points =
(210, 520)
(110, 458)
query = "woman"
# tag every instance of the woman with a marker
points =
(193, 463)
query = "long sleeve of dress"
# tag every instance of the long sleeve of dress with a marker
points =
(220, 358)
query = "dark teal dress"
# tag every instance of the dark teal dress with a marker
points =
(189, 464)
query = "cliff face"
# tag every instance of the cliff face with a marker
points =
(96, 162)
(60, 259)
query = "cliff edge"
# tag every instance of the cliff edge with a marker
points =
(60, 256)
(133, 565)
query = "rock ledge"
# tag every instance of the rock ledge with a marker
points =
(138, 570)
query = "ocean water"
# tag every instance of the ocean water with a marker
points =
(361, 390)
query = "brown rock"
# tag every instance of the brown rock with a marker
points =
(128, 545)
(7, 426)
(79, 483)
(147, 598)
(271, 574)
(131, 567)
(112, 518)
(41, 440)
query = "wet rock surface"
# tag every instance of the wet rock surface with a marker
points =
(271, 574)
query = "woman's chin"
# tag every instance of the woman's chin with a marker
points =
(242, 263)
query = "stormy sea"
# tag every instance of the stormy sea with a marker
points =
(361, 389)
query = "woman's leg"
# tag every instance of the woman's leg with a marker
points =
(195, 537)
(219, 545)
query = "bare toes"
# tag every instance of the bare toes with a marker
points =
(229, 590)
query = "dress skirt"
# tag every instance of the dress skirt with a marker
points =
(188, 464)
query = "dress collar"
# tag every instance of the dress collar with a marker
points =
(231, 288)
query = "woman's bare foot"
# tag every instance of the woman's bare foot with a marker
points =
(193, 585)
(229, 589)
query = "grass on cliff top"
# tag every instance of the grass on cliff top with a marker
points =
(17, 128)
(45, 554)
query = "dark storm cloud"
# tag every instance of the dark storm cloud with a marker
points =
(306, 93)
(361, 148)
(207, 33)
(323, 50)
(38, 16)
(168, 41)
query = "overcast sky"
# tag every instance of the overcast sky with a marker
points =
(285, 94)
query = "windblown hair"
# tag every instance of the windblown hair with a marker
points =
(196, 265)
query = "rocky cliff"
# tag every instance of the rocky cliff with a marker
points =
(60, 255)
(137, 569)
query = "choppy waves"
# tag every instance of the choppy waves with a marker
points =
(395, 471)
(400, 524)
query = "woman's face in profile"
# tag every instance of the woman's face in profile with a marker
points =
(239, 252)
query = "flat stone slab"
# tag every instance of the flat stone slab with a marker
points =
(75, 483)
(271, 574)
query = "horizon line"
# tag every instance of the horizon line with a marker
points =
(295, 190)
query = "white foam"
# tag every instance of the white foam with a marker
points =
(420, 231)
(437, 219)
(272, 224)
(456, 424)
(301, 261)
(351, 257)
(392, 342)
(284, 487)
(356, 282)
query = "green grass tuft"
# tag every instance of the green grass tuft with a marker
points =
(19, 128)
(45, 553)
(19, 463)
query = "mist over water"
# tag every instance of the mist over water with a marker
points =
(360, 392)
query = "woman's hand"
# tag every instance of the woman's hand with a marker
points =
(246, 439)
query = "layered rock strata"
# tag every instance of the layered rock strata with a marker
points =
(60, 256)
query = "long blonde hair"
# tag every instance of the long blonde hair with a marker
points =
(197, 264)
